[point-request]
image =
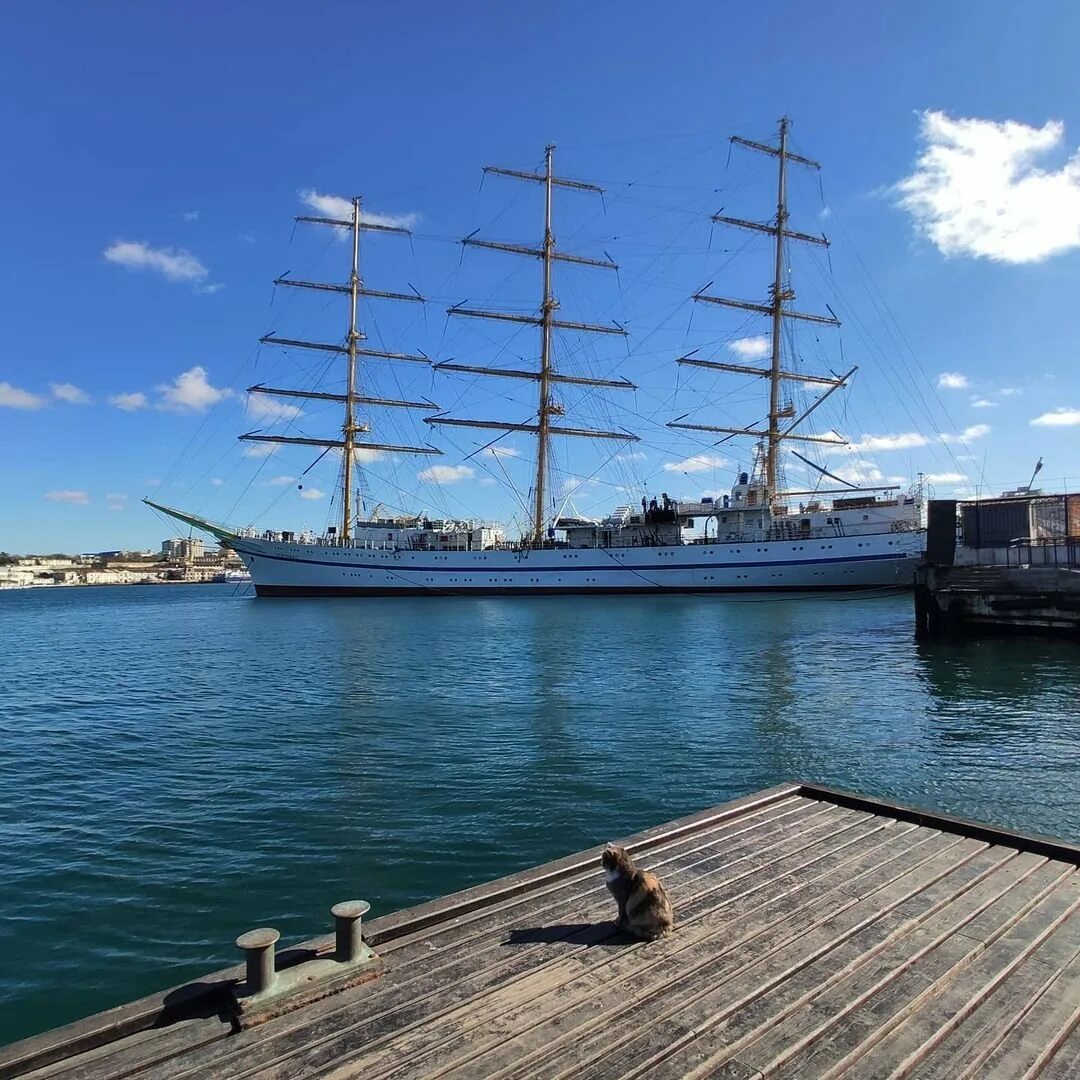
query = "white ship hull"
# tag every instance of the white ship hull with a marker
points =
(876, 560)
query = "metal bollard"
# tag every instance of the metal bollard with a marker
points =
(347, 918)
(258, 946)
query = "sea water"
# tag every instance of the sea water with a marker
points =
(181, 763)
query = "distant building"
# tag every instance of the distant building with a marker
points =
(186, 548)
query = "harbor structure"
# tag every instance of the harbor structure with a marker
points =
(818, 933)
(765, 535)
(999, 565)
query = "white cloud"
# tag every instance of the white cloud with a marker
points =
(14, 398)
(977, 190)
(861, 472)
(115, 501)
(946, 478)
(312, 493)
(191, 392)
(365, 453)
(261, 449)
(870, 444)
(280, 481)
(1060, 417)
(952, 380)
(969, 434)
(76, 498)
(129, 402)
(209, 290)
(751, 348)
(217, 482)
(70, 393)
(501, 451)
(1009, 391)
(190, 215)
(446, 474)
(264, 407)
(336, 206)
(698, 463)
(630, 455)
(173, 264)
(983, 403)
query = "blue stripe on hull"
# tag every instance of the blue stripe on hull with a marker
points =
(553, 590)
(613, 564)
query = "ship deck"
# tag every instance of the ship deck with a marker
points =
(818, 934)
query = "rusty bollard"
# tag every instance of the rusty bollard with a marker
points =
(347, 919)
(258, 946)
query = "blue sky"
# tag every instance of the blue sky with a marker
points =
(156, 154)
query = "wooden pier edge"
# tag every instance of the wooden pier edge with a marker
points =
(211, 991)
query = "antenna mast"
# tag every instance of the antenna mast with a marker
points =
(349, 428)
(547, 310)
(777, 315)
(546, 375)
(351, 350)
(775, 309)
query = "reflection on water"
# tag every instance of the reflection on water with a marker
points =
(181, 764)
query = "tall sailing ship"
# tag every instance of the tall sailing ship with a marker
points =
(760, 537)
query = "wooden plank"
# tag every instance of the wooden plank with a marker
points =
(375, 1043)
(845, 1022)
(874, 922)
(125, 1020)
(391, 1003)
(766, 1013)
(951, 1001)
(516, 1032)
(636, 1002)
(1052, 1018)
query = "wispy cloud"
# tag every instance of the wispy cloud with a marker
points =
(116, 501)
(912, 440)
(280, 481)
(977, 189)
(861, 472)
(336, 206)
(261, 449)
(191, 392)
(1009, 391)
(983, 403)
(264, 407)
(446, 474)
(751, 348)
(501, 452)
(869, 444)
(173, 264)
(312, 493)
(952, 380)
(697, 463)
(630, 455)
(129, 402)
(217, 482)
(1060, 417)
(70, 393)
(969, 434)
(946, 478)
(190, 215)
(75, 498)
(12, 397)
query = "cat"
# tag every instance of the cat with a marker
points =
(644, 906)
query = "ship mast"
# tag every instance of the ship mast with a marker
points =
(351, 350)
(546, 375)
(779, 294)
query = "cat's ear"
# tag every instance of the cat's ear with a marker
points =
(609, 846)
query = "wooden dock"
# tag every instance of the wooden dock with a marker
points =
(819, 934)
